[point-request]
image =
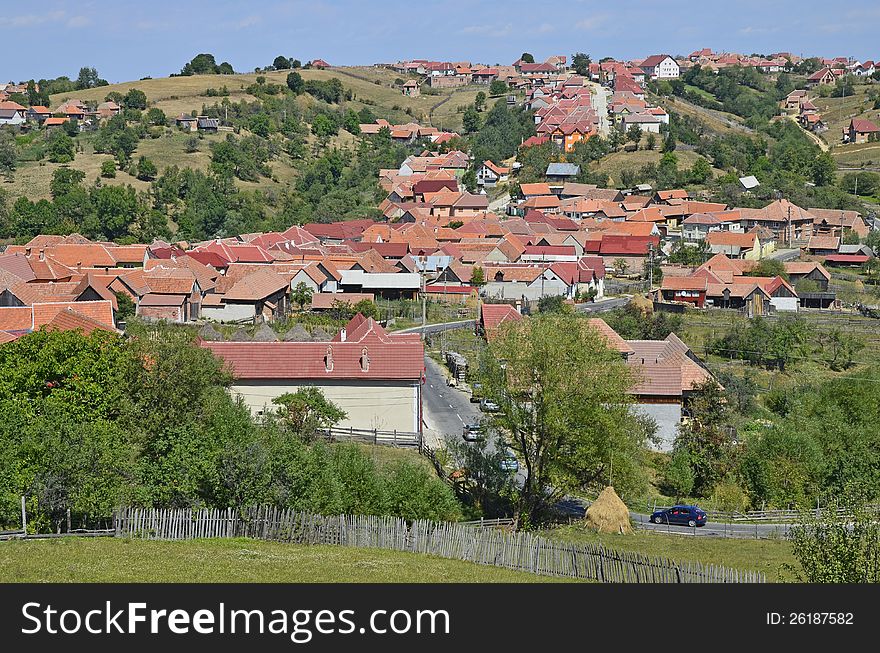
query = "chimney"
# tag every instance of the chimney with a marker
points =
(342, 335)
(27, 251)
(42, 255)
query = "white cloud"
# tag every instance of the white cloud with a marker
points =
(79, 21)
(30, 20)
(751, 29)
(247, 21)
(592, 23)
(494, 31)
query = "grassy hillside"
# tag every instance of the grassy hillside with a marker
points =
(616, 162)
(114, 560)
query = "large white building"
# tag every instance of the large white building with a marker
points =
(661, 66)
(374, 376)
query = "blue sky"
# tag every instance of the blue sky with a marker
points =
(127, 40)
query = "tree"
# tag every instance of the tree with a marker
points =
(191, 145)
(563, 409)
(146, 169)
(551, 304)
(497, 87)
(634, 133)
(301, 294)
(620, 266)
(668, 143)
(295, 83)
(88, 78)
(108, 169)
(60, 147)
(135, 99)
(769, 267)
(481, 478)
(526, 57)
(126, 306)
(861, 183)
(156, 117)
(824, 170)
(480, 101)
(470, 120)
(701, 171)
(307, 411)
(651, 141)
(8, 155)
(201, 64)
(832, 548)
(478, 276)
(281, 63)
(581, 63)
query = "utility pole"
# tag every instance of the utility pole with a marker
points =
(650, 267)
(424, 298)
(789, 225)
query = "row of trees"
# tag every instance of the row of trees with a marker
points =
(93, 422)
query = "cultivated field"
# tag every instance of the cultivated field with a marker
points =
(117, 560)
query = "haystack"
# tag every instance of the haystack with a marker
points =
(319, 335)
(208, 332)
(608, 514)
(297, 333)
(241, 335)
(265, 334)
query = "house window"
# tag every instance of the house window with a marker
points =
(328, 360)
(365, 360)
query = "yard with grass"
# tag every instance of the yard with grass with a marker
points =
(767, 556)
(116, 560)
(614, 164)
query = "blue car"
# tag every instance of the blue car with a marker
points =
(683, 515)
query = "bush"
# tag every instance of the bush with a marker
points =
(108, 169)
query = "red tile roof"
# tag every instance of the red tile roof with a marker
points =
(368, 353)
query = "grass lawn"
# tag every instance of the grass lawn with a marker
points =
(229, 561)
(766, 556)
(384, 455)
(855, 155)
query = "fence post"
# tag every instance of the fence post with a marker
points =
(23, 517)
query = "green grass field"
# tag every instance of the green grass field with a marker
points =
(114, 560)
(766, 556)
(616, 162)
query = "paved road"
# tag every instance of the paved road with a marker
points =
(599, 99)
(603, 305)
(785, 254)
(576, 508)
(446, 409)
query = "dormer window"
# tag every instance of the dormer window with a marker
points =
(328, 360)
(365, 360)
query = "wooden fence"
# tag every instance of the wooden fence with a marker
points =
(486, 546)
(374, 436)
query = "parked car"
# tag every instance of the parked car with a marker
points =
(683, 515)
(473, 432)
(509, 463)
(487, 405)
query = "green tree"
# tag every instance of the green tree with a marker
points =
(551, 304)
(470, 120)
(8, 154)
(861, 183)
(668, 143)
(201, 64)
(480, 101)
(156, 117)
(581, 63)
(651, 141)
(497, 87)
(295, 83)
(88, 78)
(301, 294)
(486, 486)
(478, 276)
(526, 57)
(108, 169)
(634, 133)
(701, 171)
(824, 170)
(307, 411)
(60, 147)
(135, 99)
(563, 409)
(832, 548)
(146, 169)
(281, 63)
(769, 267)
(126, 306)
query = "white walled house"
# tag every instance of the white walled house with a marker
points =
(374, 376)
(661, 66)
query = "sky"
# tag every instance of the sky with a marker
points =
(128, 40)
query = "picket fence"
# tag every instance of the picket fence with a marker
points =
(486, 546)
